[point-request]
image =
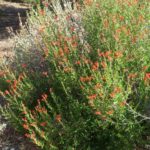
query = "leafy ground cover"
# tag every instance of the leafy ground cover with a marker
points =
(80, 78)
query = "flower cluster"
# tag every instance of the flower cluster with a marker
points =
(84, 75)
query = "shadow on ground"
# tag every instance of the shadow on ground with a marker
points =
(9, 18)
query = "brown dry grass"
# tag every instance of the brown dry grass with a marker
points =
(9, 19)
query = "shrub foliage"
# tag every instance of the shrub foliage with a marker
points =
(82, 76)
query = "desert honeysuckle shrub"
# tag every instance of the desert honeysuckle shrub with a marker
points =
(82, 76)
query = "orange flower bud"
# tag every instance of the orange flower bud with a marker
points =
(92, 97)
(8, 81)
(110, 112)
(25, 126)
(95, 66)
(43, 124)
(98, 113)
(118, 54)
(58, 118)
(7, 92)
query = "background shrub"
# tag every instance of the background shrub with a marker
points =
(81, 78)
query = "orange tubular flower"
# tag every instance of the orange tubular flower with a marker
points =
(95, 66)
(74, 44)
(45, 74)
(46, 4)
(7, 92)
(125, 30)
(141, 18)
(121, 18)
(101, 54)
(110, 58)
(72, 28)
(58, 118)
(24, 119)
(42, 12)
(112, 95)
(147, 76)
(24, 112)
(97, 86)
(132, 75)
(118, 54)
(92, 97)
(134, 39)
(43, 124)
(55, 43)
(98, 113)
(41, 109)
(15, 83)
(44, 97)
(107, 53)
(88, 2)
(122, 103)
(67, 69)
(117, 90)
(66, 49)
(78, 62)
(61, 53)
(8, 81)
(118, 31)
(44, 110)
(25, 126)
(110, 112)
(86, 79)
